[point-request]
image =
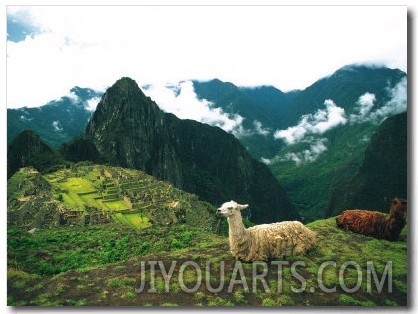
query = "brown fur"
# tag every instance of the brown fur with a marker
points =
(376, 224)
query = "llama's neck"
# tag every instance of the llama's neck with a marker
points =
(396, 221)
(236, 226)
(394, 224)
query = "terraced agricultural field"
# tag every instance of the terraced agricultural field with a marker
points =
(134, 220)
(95, 187)
(78, 192)
(130, 197)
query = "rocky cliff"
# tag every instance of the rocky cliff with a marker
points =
(128, 129)
(383, 173)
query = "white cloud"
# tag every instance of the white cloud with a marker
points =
(365, 138)
(94, 46)
(332, 116)
(57, 126)
(24, 118)
(89, 104)
(92, 103)
(317, 123)
(73, 97)
(396, 104)
(267, 161)
(366, 103)
(259, 129)
(181, 100)
(316, 148)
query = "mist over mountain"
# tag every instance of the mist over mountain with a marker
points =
(58, 121)
(128, 129)
(313, 140)
(326, 146)
(344, 87)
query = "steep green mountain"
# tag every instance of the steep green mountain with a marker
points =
(275, 103)
(129, 130)
(56, 122)
(272, 110)
(327, 144)
(266, 104)
(327, 155)
(27, 149)
(382, 174)
(263, 108)
(344, 87)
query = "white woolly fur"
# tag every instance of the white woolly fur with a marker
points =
(266, 241)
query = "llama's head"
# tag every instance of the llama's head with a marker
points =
(230, 208)
(398, 207)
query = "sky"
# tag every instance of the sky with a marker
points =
(51, 49)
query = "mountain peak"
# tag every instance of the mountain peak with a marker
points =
(129, 130)
(84, 94)
(125, 82)
(124, 112)
(125, 87)
(366, 70)
(28, 150)
(125, 92)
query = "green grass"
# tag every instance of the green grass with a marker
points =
(90, 199)
(109, 257)
(96, 265)
(77, 192)
(68, 201)
(115, 205)
(77, 185)
(138, 220)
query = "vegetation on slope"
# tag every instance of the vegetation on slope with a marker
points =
(88, 194)
(382, 174)
(27, 149)
(111, 265)
(363, 164)
(54, 258)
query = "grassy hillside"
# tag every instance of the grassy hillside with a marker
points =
(111, 265)
(91, 235)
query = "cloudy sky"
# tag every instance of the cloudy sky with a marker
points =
(51, 49)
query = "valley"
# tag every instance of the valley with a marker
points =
(117, 207)
(332, 123)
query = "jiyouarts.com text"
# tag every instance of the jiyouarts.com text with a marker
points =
(190, 277)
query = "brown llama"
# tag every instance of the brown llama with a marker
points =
(376, 224)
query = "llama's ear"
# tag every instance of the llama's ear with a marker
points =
(241, 207)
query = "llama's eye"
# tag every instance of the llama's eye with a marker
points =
(229, 207)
